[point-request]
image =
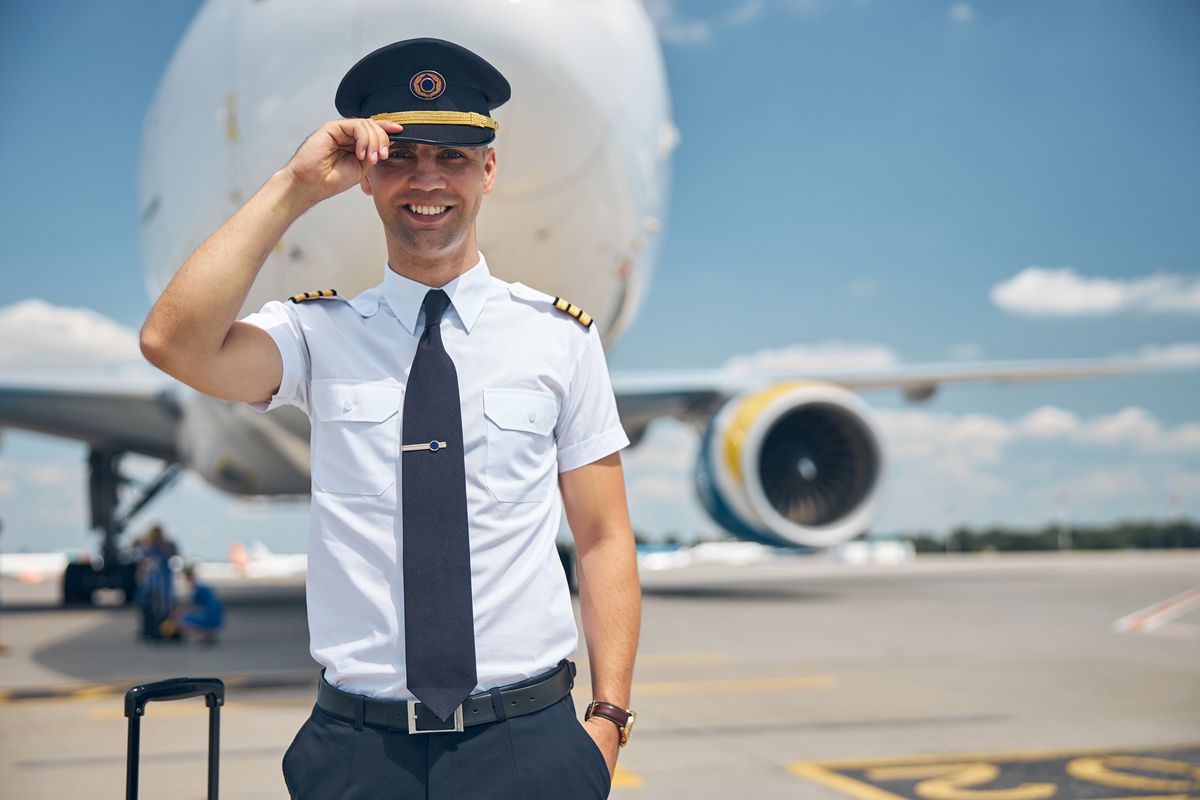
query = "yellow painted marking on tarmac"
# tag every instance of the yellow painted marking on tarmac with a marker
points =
(732, 686)
(154, 710)
(863, 791)
(624, 779)
(954, 782)
(1104, 770)
(99, 690)
(1024, 755)
(955, 776)
(198, 709)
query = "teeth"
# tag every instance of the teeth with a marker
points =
(427, 210)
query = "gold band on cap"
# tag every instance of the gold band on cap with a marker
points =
(439, 118)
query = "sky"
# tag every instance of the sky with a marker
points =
(857, 183)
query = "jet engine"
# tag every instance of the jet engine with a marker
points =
(793, 464)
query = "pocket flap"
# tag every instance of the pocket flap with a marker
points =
(521, 409)
(356, 401)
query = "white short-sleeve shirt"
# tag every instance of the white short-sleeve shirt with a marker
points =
(536, 400)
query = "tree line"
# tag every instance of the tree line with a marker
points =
(1128, 534)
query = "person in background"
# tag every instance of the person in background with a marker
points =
(203, 617)
(155, 592)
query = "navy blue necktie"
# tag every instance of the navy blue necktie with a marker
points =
(439, 631)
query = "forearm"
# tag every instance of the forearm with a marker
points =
(610, 600)
(194, 314)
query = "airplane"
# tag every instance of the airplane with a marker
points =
(584, 151)
(33, 567)
(258, 562)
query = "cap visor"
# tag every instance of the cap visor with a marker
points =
(453, 135)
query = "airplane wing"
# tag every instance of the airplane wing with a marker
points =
(695, 395)
(108, 414)
(142, 417)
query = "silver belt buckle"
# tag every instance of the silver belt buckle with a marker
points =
(412, 720)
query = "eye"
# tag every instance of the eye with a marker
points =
(398, 154)
(452, 154)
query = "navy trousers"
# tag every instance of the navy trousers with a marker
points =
(546, 755)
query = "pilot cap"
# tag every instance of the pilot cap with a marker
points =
(440, 92)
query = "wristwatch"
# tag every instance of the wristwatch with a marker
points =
(623, 718)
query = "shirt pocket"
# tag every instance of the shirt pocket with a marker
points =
(521, 452)
(355, 435)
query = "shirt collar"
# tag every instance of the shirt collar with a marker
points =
(468, 292)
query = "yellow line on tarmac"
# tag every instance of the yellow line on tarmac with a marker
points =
(818, 774)
(624, 779)
(1025, 755)
(732, 685)
(75, 692)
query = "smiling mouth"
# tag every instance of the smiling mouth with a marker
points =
(425, 212)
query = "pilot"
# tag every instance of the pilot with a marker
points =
(454, 417)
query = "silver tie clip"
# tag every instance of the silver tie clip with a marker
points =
(434, 445)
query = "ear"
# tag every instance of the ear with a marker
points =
(489, 170)
(364, 183)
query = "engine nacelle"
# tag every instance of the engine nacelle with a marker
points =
(243, 453)
(794, 464)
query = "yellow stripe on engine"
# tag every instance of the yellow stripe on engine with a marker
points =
(744, 414)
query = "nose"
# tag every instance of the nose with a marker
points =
(427, 175)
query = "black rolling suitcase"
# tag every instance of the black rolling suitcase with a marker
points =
(213, 691)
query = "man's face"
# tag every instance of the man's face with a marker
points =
(419, 178)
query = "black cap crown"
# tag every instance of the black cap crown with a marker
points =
(441, 92)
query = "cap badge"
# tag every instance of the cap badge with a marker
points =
(427, 85)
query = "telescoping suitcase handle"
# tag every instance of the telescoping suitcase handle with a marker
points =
(136, 699)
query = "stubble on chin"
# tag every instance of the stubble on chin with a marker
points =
(425, 243)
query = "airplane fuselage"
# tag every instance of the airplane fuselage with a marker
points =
(583, 153)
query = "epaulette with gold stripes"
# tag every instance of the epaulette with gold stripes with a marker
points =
(585, 319)
(300, 298)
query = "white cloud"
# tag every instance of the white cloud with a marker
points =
(1135, 428)
(1064, 292)
(1102, 484)
(961, 13)
(35, 335)
(671, 446)
(947, 451)
(1179, 354)
(746, 12)
(824, 356)
(951, 469)
(675, 27)
(948, 469)
(661, 487)
(662, 495)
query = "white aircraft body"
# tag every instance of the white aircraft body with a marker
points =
(33, 567)
(584, 152)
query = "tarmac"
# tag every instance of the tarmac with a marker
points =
(1003, 677)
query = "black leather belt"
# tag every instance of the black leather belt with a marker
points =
(513, 700)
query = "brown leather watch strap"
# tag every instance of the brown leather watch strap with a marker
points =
(621, 717)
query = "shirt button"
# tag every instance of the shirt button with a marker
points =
(532, 416)
(346, 406)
